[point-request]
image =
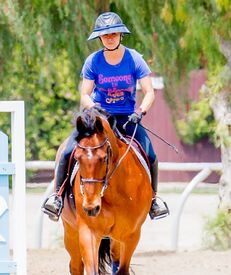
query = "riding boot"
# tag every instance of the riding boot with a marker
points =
(54, 204)
(156, 212)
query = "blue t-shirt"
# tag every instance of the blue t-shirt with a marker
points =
(115, 85)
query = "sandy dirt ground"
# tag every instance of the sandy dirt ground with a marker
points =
(47, 261)
(152, 255)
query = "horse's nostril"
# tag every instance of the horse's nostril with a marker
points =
(97, 209)
(92, 212)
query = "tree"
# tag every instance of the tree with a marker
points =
(205, 40)
(44, 45)
(182, 36)
(221, 106)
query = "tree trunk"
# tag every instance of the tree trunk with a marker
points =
(222, 112)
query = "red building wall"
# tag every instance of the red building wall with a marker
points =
(159, 120)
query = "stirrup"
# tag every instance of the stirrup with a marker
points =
(165, 212)
(54, 216)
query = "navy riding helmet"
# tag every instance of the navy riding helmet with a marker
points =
(106, 23)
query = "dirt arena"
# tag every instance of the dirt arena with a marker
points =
(55, 261)
(153, 254)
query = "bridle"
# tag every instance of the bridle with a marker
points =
(108, 174)
(105, 180)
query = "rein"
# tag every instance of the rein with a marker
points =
(125, 153)
(108, 174)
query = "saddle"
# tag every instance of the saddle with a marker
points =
(137, 146)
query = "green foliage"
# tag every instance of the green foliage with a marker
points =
(217, 234)
(43, 46)
(178, 37)
(51, 98)
(220, 80)
(197, 124)
(40, 61)
(199, 121)
(191, 43)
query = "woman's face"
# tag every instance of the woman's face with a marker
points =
(111, 41)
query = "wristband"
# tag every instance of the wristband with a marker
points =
(142, 112)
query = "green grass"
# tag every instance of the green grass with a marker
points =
(217, 231)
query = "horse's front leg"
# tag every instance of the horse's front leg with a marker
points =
(115, 255)
(89, 247)
(127, 249)
(71, 241)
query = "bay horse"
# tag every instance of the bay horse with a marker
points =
(112, 195)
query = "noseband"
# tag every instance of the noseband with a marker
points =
(104, 181)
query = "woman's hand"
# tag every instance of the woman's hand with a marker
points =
(136, 117)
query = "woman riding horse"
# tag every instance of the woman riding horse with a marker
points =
(109, 78)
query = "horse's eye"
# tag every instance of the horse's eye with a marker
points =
(103, 159)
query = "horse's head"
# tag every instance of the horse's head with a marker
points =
(94, 155)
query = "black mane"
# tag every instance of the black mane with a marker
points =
(88, 119)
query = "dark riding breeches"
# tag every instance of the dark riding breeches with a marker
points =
(141, 136)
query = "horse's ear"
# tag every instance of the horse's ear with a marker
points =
(112, 121)
(98, 125)
(80, 125)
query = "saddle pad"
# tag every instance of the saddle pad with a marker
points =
(141, 155)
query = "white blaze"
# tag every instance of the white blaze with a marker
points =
(89, 154)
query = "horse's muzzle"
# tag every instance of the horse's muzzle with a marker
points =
(92, 212)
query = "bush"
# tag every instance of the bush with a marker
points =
(217, 233)
(50, 97)
(197, 124)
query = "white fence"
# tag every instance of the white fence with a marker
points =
(204, 169)
(164, 166)
(18, 227)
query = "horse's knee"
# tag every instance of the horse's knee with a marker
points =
(115, 251)
(76, 270)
